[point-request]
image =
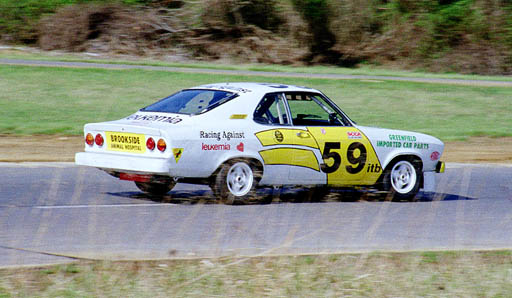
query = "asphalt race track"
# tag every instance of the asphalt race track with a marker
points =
(52, 213)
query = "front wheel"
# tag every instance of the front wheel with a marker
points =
(155, 188)
(403, 180)
(236, 182)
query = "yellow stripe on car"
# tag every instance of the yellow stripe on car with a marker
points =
(285, 136)
(290, 156)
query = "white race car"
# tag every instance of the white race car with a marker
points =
(236, 137)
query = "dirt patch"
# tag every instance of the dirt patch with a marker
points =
(16, 148)
(42, 148)
(479, 150)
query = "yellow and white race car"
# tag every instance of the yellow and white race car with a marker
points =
(237, 137)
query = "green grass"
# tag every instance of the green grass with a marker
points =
(47, 100)
(413, 274)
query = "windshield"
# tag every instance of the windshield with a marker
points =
(192, 101)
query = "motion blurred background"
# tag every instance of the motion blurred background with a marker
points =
(463, 36)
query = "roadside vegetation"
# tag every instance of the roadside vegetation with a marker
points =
(462, 36)
(52, 100)
(416, 274)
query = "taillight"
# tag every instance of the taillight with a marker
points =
(99, 140)
(161, 145)
(89, 139)
(150, 144)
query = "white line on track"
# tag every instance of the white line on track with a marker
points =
(102, 206)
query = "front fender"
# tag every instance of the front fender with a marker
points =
(393, 155)
(389, 144)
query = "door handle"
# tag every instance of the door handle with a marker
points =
(303, 135)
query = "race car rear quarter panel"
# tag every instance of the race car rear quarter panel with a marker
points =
(211, 139)
(389, 144)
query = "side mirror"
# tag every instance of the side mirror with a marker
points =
(333, 118)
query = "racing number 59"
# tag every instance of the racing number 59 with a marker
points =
(356, 163)
(334, 155)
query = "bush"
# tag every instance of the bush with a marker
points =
(19, 18)
(109, 28)
(229, 13)
(451, 22)
(316, 14)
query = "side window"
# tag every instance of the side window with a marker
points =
(309, 109)
(271, 110)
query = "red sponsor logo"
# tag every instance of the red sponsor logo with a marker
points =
(435, 155)
(354, 135)
(240, 147)
(215, 147)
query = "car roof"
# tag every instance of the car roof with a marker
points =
(246, 87)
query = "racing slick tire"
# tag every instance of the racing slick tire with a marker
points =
(236, 183)
(402, 180)
(155, 188)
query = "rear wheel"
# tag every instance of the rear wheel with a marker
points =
(236, 183)
(155, 188)
(402, 179)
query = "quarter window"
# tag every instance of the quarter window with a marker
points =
(272, 110)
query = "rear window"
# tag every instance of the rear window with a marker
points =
(192, 101)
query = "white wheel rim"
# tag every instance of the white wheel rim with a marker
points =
(403, 177)
(240, 179)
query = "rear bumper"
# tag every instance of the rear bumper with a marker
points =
(118, 162)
